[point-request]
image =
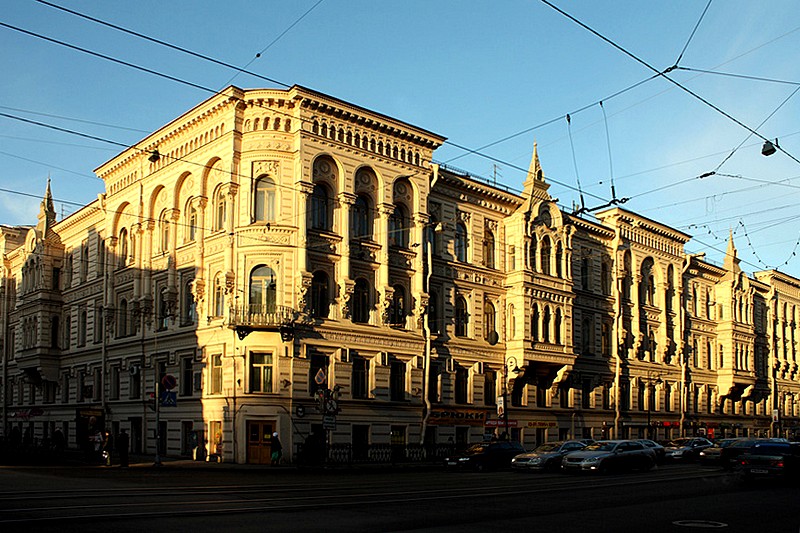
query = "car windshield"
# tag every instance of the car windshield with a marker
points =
(477, 448)
(602, 446)
(679, 443)
(548, 447)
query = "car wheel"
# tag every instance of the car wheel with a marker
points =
(648, 465)
(479, 467)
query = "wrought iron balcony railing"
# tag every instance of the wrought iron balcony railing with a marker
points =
(261, 316)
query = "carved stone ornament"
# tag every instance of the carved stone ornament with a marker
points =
(199, 289)
(305, 286)
(347, 294)
(386, 304)
(230, 280)
(269, 167)
(463, 216)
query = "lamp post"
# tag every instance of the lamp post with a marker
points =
(510, 362)
(653, 378)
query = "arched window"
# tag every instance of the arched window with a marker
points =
(219, 296)
(362, 218)
(461, 242)
(545, 255)
(488, 249)
(559, 259)
(532, 253)
(489, 326)
(546, 325)
(320, 302)
(191, 223)
(535, 323)
(587, 337)
(264, 209)
(462, 317)
(647, 288)
(263, 289)
(398, 227)
(320, 208)
(557, 327)
(626, 280)
(163, 309)
(123, 248)
(605, 278)
(670, 292)
(164, 222)
(221, 211)
(694, 300)
(708, 304)
(189, 306)
(361, 301)
(397, 312)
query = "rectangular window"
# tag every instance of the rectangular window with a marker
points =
(360, 442)
(462, 383)
(586, 394)
(359, 383)
(216, 374)
(490, 387)
(606, 396)
(541, 396)
(261, 372)
(397, 381)
(98, 323)
(49, 391)
(65, 388)
(135, 382)
(187, 375)
(114, 382)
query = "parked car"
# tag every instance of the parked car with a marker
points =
(607, 455)
(771, 459)
(485, 456)
(657, 448)
(686, 448)
(713, 455)
(730, 455)
(546, 456)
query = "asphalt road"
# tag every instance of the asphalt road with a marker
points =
(219, 498)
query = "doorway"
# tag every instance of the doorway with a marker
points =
(259, 449)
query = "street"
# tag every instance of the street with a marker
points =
(184, 497)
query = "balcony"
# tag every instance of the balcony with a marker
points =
(258, 317)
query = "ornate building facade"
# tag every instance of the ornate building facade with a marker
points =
(280, 260)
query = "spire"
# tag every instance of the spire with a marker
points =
(47, 211)
(731, 262)
(535, 168)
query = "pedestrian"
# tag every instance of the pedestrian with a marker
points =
(122, 446)
(277, 449)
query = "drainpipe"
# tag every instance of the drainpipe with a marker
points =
(684, 340)
(4, 288)
(426, 328)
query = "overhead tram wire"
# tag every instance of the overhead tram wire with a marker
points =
(555, 119)
(691, 36)
(663, 74)
(739, 76)
(93, 123)
(275, 40)
(162, 43)
(610, 163)
(214, 92)
(757, 127)
(575, 164)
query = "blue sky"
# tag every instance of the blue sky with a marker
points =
(474, 72)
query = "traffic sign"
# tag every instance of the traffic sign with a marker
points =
(320, 377)
(329, 422)
(169, 382)
(169, 399)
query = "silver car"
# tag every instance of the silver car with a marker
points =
(546, 456)
(607, 455)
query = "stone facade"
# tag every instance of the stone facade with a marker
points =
(299, 264)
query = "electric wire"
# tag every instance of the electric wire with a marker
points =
(275, 40)
(575, 163)
(163, 43)
(702, 15)
(610, 161)
(739, 76)
(83, 121)
(663, 74)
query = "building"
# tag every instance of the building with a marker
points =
(283, 261)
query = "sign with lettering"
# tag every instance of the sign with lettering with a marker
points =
(457, 417)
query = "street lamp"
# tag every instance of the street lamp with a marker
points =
(510, 362)
(653, 378)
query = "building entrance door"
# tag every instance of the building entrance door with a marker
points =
(259, 450)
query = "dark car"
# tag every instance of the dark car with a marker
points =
(730, 455)
(607, 455)
(485, 456)
(686, 448)
(657, 448)
(712, 456)
(546, 456)
(771, 459)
